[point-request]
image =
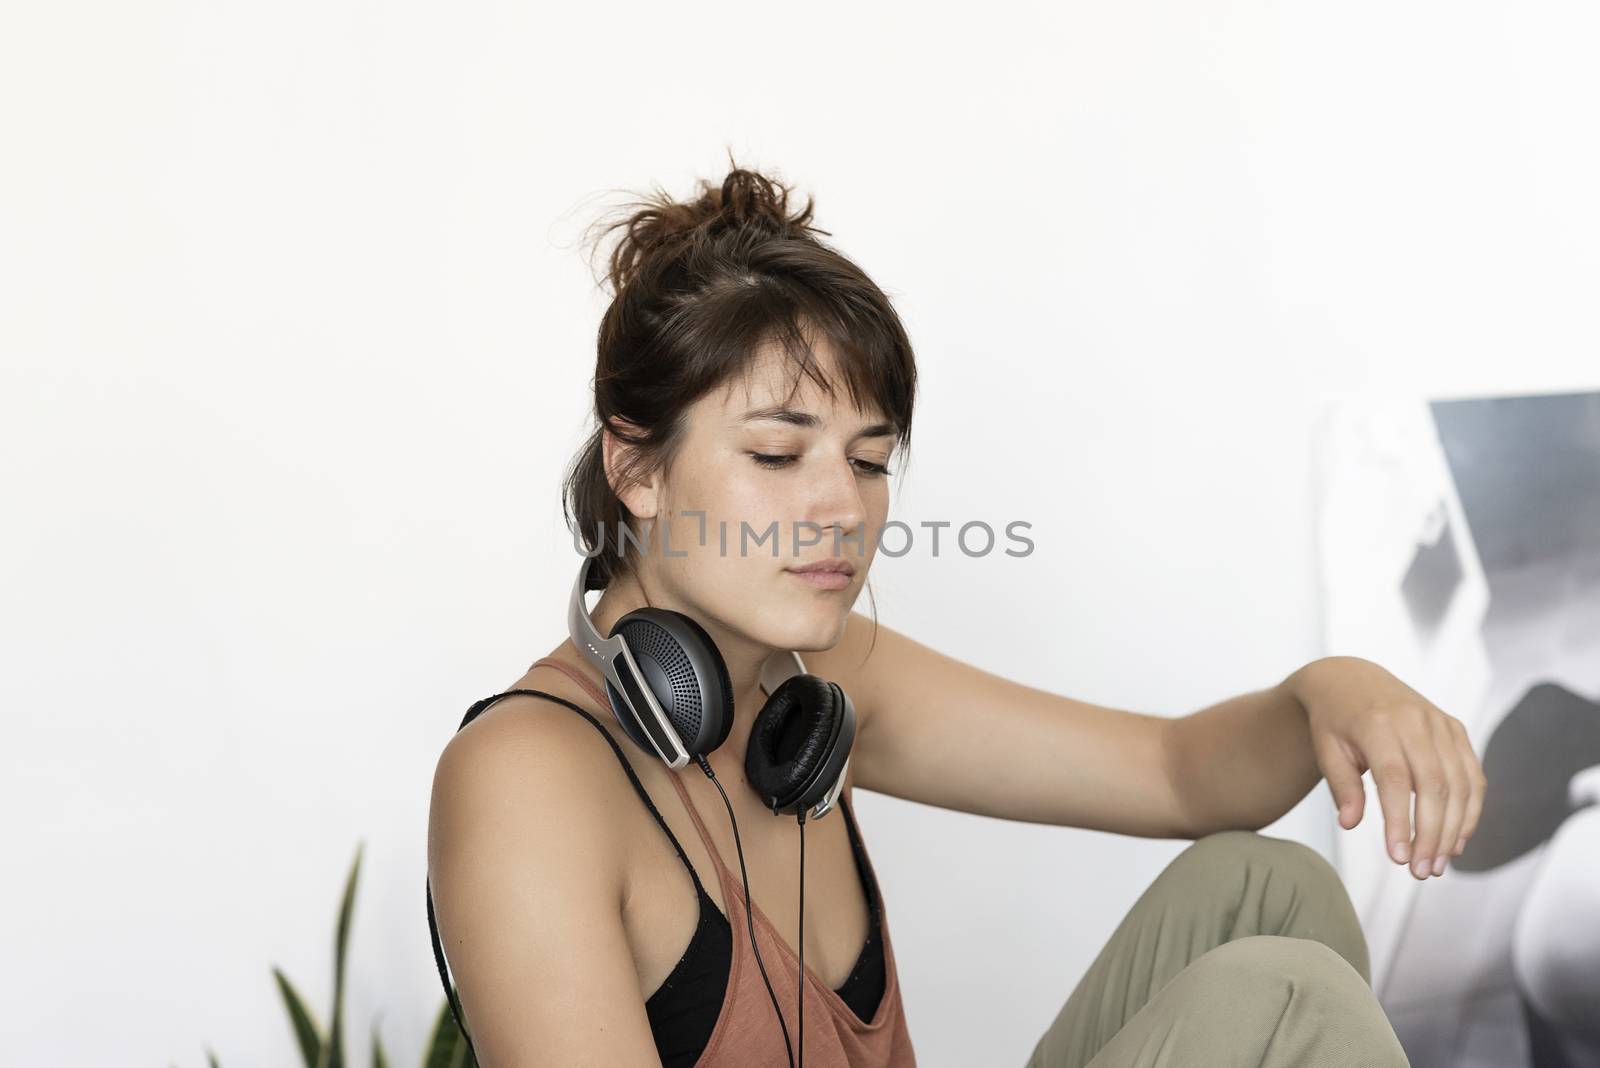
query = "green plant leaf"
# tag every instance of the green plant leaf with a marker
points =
(211, 1057)
(305, 1026)
(438, 1042)
(447, 1048)
(378, 1059)
(334, 1051)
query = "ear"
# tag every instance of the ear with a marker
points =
(641, 499)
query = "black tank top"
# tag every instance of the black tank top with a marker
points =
(684, 1008)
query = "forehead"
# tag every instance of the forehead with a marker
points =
(774, 379)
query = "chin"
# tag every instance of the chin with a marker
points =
(817, 626)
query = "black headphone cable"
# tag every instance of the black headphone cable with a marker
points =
(800, 998)
(749, 911)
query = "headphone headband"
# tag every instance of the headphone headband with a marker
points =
(614, 660)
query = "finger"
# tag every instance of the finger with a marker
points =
(1392, 778)
(1344, 780)
(1432, 789)
(1477, 784)
(1455, 811)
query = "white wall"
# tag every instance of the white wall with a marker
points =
(296, 336)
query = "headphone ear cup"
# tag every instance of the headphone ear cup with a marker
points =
(685, 671)
(712, 670)
(799, 743)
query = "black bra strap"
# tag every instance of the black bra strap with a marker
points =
(860, 851)
(478, 707)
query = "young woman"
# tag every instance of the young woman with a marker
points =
(751, 378)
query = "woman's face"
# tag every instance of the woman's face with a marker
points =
(822, 496)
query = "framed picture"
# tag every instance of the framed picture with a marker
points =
(1459, 546)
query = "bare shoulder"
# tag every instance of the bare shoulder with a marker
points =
(525, 761)
(527, 862)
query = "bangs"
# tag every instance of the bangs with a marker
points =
(729, 330)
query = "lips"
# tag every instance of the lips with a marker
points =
(837, 564)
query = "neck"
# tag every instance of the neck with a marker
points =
(744, 660)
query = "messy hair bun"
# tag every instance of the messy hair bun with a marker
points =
(746, 202)
(699, 286)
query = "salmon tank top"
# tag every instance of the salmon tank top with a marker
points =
(713, 1010)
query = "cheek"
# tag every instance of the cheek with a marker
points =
(876, 501)
(742, 511)
(751, 495)
(718, 489)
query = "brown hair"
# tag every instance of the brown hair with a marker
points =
(699, 286)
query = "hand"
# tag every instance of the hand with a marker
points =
(1361, 717)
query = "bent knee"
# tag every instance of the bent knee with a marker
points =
(1277, 958)
(1223, 854)
(1228, 847)
(1262, 885)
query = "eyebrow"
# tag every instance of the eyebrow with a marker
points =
(797, 417)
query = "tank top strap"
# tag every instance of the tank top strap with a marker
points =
(723, 871)
(576, 676)
(677, 781)
(644, 795)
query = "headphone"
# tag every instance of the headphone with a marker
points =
(668, 687)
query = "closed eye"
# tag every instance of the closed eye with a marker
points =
(775, 461)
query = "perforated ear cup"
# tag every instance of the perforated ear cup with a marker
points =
(686, 673)
(799, 743)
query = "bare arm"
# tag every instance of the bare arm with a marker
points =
(1243, 762)
(947, 733)
(527, 880)
(937, 730)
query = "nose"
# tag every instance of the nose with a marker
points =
(837, 510)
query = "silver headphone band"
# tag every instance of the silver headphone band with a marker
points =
(615, 662)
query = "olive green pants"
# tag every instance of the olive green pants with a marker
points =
(1244, 951)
